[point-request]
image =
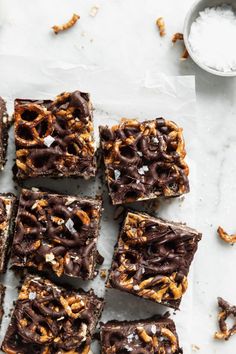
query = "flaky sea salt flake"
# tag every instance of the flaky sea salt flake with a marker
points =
(49, 257)
(70, 225)
(153, 329)
(117, 174)
(32, 295)
(48, 140)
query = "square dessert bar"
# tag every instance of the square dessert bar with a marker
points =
(4, 125)
(57, 233)
(7, 213)
(49, 319)
(152, 258)
(151, 336)
(144, 160)
(55, 138)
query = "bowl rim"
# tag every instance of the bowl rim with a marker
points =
(188, 47)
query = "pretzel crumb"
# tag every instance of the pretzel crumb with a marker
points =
(66, 25)
(226, 237)
(94, 10)
(103, 273)
(177, 37)
(185, 55)
(195, 347)
(180, 37)
(161, 26)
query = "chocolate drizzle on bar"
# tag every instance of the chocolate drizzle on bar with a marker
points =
(156, 335)
(144, 160)
(152, 258)
(4, 125)
(51, 319)
(2, 296)
(55, 138)
(57, 232)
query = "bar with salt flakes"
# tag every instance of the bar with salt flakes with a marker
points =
(57, 233)
(144, 160)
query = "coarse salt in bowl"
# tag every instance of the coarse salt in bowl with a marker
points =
(209, 35)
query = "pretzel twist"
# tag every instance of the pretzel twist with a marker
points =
(35, 116)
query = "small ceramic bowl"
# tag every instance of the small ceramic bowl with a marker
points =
(192, 15)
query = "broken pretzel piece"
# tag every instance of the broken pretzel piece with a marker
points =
(226, 237)
(180, 37)
(161, 25)
(93, 11)
(66, 25)
(185, 55)
(227, 310)
(177, 37)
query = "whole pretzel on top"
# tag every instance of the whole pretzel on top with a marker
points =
(35, 136)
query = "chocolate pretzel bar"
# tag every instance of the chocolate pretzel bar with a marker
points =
(57, 233)
(144, 160)
(7, 213)
(4, 125)
(156, 335)
(55, 138)
(50, 319)
(152, 258)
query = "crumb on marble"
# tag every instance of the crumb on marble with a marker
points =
(180, 37)
(177, 37)
(225, 236)
(103, 273)
(67, 25)
(94, 10)
(184, 55)
(195, 347)
(161, 26)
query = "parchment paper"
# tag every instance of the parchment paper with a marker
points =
(157, 95)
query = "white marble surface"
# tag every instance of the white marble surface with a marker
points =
(108, 55)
